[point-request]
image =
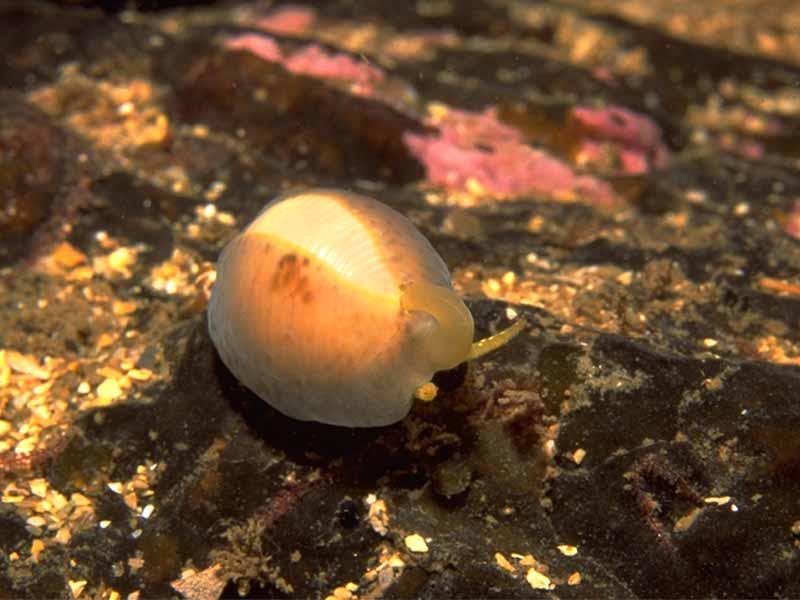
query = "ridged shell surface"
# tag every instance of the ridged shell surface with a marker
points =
(306, 310)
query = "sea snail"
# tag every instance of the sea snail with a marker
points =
(333, 307)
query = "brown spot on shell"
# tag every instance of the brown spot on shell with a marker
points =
(290, 279)
(288, 260)
(301, 287)
(288, 271)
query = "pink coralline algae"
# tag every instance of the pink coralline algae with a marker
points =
(792, 227)
(476, 152)
(288, 20)
(630, 141)
(262, 46)
(311, 60)
(317, 62)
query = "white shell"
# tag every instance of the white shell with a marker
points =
(310, 310)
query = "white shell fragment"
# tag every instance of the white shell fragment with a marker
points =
(333, 307)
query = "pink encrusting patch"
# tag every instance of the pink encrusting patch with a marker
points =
(634, 139)
(472, 150)
(288, 20)
(264, 47)
(312, 60)
(619, 124)
(318, 62)
(600, 155)
(793, 221)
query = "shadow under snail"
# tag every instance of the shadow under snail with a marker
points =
(333, 307)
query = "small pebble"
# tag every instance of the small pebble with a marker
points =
(574, 579)
(38, 487)
(567, 550)
(26, 446)
(122, 308)
(140, 374)
(109, 390)
(578, 456)
(77, 587)
(66, 255)
(504, 563)
(36, 521)
(37, 546)
(538, 581)
(416, 543)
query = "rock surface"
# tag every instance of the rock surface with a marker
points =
(627, 182)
